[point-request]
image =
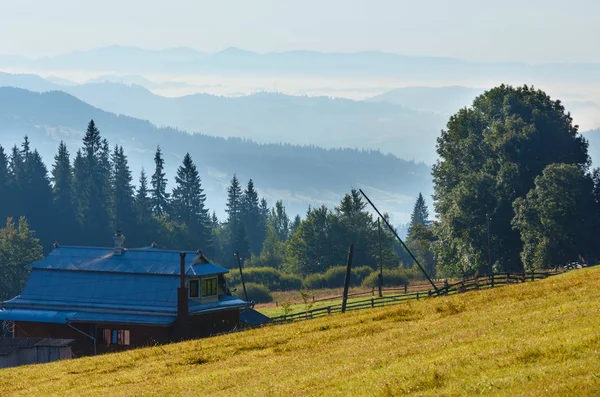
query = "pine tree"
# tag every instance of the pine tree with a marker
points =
(187, 206)
(233, 208)
(280, 221)
(6, 193)
(295, 224)
(144, 229)
(63, 195)
(94, 196)
(159, 195)
(122, 192)
(252, 219)
(35, 192)
(420, 215)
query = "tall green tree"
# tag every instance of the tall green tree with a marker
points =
(252, 218)
(420, 214)
(295, 224)
(159, 195)
(309, 249)
(18, 248)
(94, 196)
(146, 231)
(6, 192)
(489, 155)
(188, 208)
(556, 219)
(122, 192)
(63, 195)
(238, 239)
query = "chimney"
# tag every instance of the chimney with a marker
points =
(182, 300)
(119, 240)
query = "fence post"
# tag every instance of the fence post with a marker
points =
(276, 304)
(417, 295)
(405, 288)
(328, 309)
(533, 276)
(492, 280)
(372, 303)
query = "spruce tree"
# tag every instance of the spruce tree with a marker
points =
(35, 192)
(419, 216)
(252, 219)
(63, 195)
(187, 206)
(144, 230)
(122, 192)
(238, 240)
(295, 224)
(94, 198)
(159, 195)
(6, 192)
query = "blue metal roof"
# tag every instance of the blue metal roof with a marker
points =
(82, 284)
(63, 317)
(142, 260)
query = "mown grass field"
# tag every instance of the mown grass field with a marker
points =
(540, 338)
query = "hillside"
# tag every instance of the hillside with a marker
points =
(265, 117)
(537, 338)
(298, 175)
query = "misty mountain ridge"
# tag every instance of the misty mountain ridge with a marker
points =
(299, 175)
(266, 117)
(234, 60)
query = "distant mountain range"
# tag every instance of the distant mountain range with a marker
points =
(266, 117)
(234, 60)
(301, 176)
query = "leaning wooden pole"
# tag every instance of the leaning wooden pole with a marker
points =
(380, 277)
(347, 279)
(401, 242)
(237, 254)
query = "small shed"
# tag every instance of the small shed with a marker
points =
(25, 351)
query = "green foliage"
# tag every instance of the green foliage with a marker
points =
(159, 196)
(391, 278)
(419, 216)
(256, 292)
(18, 248)
(489, 155)
(269, 277)
(555, 218)
(334, 277)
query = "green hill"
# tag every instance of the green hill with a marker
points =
(539, 338)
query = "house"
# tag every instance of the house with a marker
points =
(112, 299)
(26, 351)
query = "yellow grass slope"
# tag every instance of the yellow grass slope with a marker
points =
(539, 338)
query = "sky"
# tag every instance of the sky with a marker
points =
(511, 30)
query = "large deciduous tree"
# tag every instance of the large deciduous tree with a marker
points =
(490, 155)
(556, 218)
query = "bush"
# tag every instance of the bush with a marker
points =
(315, 281)
(272, 278)
(391, 277)
(289, 282)
(256, 292)
(335, 276)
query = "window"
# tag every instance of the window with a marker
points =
(194, 293)
(209, 287)
(105, 336)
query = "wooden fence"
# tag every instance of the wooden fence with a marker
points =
(444, 288)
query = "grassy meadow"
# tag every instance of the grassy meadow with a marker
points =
(540, 338)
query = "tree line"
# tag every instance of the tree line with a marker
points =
(83, 199)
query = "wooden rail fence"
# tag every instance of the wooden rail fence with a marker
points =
(444, 288)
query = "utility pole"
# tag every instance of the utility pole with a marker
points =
(237, 254)
(347, 279)
(380, 278)
(489, 236)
